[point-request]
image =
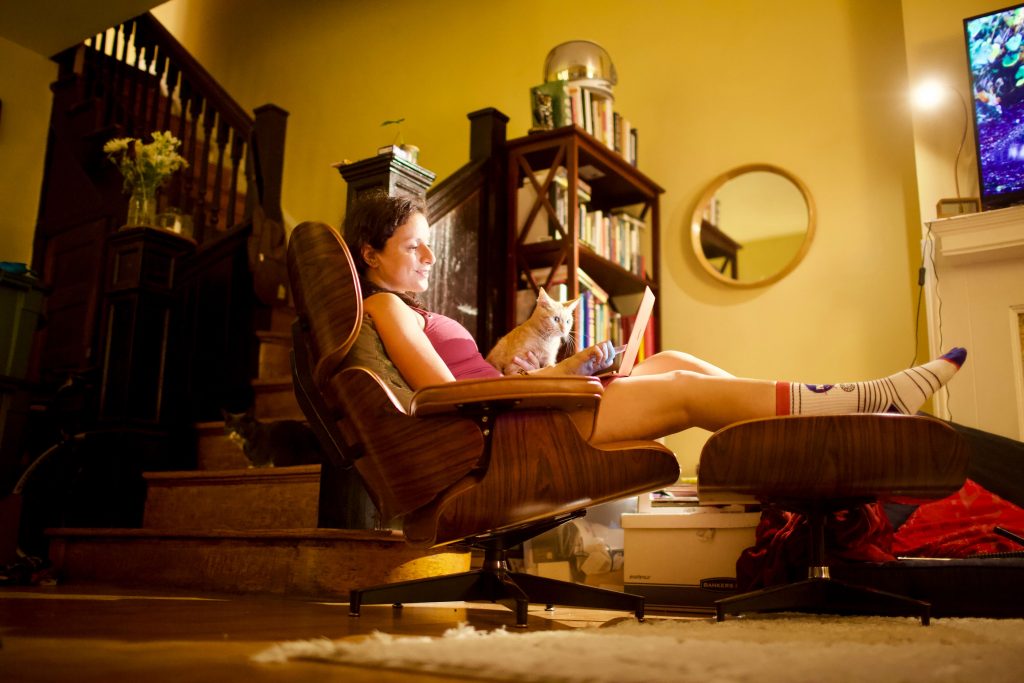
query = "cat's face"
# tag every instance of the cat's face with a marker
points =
(555, 318)
(238, 426)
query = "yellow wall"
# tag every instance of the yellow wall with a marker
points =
(815, 86)
(25, 79)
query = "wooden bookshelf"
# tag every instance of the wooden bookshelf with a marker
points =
(614, 185)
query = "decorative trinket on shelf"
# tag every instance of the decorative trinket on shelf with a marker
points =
(410, 153)
(144, 167)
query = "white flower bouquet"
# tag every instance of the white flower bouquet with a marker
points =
(145, 165)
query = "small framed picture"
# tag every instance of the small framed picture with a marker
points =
(947, 208)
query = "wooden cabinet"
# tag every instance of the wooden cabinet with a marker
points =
(604, 183)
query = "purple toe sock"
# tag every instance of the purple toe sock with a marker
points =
(956, 356)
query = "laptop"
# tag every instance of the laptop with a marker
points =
(627, 359)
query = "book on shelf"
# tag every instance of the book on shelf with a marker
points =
(560, 103)
(614, 236)
(648, 346)
(545, 226)
(598, 321)
(576, 105)
(588, 283)
(588, 111)
(598, 318)
(550, 106)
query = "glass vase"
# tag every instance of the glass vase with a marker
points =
(141, 207)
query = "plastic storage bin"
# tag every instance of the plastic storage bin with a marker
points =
(21, 307)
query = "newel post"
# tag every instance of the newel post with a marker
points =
(269, 124)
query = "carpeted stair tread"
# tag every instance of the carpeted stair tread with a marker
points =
(275, 399)
(251, 498)
(275, 355)
(215, 451)
(293, 562)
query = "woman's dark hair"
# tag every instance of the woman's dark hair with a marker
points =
(371, 220)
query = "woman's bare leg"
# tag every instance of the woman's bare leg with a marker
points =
(667, 361)
(645, 406)
(649, 406)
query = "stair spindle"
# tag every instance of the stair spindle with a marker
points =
(156, 98)
(114, 113)
(216, 202)
(202, 197)
(173, 96)
(189, 104)
(237, 148)
(132, 73)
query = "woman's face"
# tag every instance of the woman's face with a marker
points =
(403, 265)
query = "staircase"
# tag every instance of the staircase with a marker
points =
(227, 527)
(220, 526)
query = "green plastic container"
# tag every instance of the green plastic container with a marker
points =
(21, 307)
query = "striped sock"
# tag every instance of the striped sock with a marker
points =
(904, 393)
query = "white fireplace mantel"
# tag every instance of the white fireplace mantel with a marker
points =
(975, 298)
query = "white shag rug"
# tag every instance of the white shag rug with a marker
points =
(787, 648)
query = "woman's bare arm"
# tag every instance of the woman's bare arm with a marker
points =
(401, 330)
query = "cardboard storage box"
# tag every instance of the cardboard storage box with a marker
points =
(685, 557)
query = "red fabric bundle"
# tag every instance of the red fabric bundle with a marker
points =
(781, 551)
(957, 526)
(960, 525)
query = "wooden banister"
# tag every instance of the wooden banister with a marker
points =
(144, 80)
(151, 33)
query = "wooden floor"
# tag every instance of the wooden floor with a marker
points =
(92, 634)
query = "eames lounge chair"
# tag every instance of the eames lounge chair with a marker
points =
(818, 464)
(481, 463)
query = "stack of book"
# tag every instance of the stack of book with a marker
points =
(560, 103)
(616, 237)
(598, 318)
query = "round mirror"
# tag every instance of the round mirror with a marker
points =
(753, 225)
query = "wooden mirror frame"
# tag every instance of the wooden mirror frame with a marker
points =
(705, 198)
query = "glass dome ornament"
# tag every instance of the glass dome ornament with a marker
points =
(581, 62)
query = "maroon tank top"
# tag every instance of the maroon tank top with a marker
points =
(456, 346)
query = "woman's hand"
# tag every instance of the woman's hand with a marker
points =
(589, 361)
(522, 365)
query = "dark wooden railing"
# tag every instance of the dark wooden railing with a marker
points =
(129, 81)
(146, 81)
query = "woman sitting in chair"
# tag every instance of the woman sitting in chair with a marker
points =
(668, 392)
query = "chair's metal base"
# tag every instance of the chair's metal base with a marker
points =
(824, 595)
(495, 583)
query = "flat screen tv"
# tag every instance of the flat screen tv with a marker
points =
(996, 58)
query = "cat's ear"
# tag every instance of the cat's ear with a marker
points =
(544, 299)
(570, 306)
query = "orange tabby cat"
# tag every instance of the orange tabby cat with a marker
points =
(545, 330)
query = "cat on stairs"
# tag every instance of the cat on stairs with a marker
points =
(279, 443)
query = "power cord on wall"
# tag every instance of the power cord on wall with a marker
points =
(928, 257)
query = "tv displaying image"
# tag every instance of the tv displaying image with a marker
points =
(996, 58)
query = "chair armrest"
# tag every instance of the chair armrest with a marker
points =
(578, 396)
